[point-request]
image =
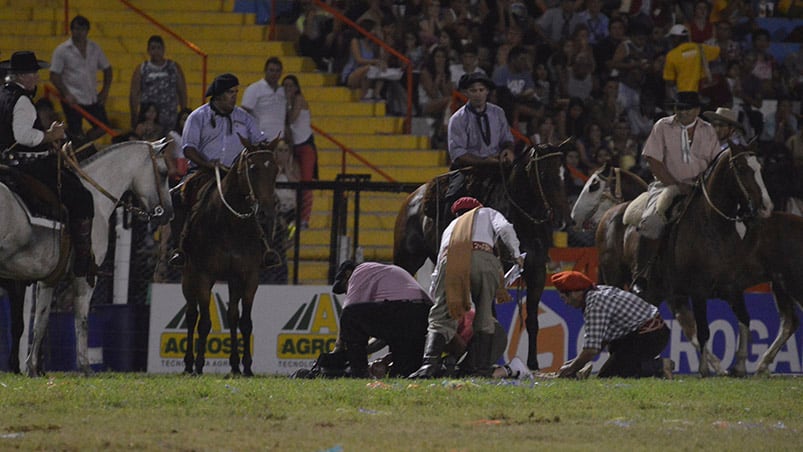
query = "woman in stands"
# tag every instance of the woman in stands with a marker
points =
(300, 132)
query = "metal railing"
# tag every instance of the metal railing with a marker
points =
(345, 150)
(52, 91)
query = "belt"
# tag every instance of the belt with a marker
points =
(407, 300)
(653, 324)
(482, 246)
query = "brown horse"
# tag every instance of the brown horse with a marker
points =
(530, 193)
(226, 241)
(713, 251)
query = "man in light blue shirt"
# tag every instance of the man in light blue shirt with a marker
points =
(211, 138)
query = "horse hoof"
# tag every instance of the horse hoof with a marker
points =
(248, 373)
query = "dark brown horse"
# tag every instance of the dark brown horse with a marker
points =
(713, 251)
(530, 193)
(226, 241)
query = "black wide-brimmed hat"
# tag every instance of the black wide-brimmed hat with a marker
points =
(685, 100)
(475, 77)
(342, 277)
(221, 84)
(23, 62)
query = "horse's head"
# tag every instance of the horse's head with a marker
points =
(545, 174)
(256, 172)
(605, 188)
(594, 199)
(150, 181)
(735, 188)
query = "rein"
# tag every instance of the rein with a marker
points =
(738, 218)
(72, 162)
(251, 197)
(532, 163)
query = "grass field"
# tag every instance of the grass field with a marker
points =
(211, 413)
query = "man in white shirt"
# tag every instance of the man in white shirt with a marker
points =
(73, 70)
(266, 101)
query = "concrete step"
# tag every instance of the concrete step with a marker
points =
(368, 139)
(149, 6)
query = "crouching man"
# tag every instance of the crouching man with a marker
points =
(386, 303)
(632, 329)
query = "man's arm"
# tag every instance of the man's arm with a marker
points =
(107, 84)
(660, 172)
(181, 86)
(571, 367)
(194, 156)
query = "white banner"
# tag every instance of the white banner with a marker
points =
(292, 326)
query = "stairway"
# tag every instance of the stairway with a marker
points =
(234, 43)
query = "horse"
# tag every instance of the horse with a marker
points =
(226, 220)
(712, 251)
(35, 251)
(530, 193)
(605, 188)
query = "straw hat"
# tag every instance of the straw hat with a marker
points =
(725, 115)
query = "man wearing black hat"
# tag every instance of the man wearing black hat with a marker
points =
(384, 302)
(26, 144)
(478, 133)
(679, 148)
(211, 138)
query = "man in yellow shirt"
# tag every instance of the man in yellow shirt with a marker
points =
(687, 63)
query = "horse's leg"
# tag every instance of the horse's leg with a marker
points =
(247, 327)
(709, 363)
(789, 323)
(204, 326)
(43, 299)
(80, 292)
(739, 368)
(196, 292)
(16, 295)
(684, 316)
(535, 278)
(233, 313)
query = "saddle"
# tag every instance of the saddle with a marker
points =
(40, 200)
(478, 182)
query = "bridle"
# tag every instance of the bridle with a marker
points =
(532, 166)
(251, 197)
(158, 210)
(751, 209)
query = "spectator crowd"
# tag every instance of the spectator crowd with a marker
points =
(600, 71)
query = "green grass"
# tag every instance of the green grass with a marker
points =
(175, 412)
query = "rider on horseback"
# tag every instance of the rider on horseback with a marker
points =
(28, 147)
(679, 148)
(479, 134)
(211, 138)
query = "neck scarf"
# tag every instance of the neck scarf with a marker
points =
(483, 123)
(220, 113)
(685, 141)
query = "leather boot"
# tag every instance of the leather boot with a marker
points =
(83, 263)
(176, 258)
(480, 358)
(647, 249)
(432, 364)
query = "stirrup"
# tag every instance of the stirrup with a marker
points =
(271, 258)
(177, 260)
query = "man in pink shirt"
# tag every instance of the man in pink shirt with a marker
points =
(384, 302)
(679, 148)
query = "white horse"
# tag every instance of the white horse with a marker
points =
(607, 187)
(32, 251)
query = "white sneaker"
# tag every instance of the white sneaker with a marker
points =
(517, 369)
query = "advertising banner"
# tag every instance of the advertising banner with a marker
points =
(293, 324)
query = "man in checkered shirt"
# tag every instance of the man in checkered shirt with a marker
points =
(631, 328)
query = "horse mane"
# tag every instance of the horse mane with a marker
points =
(101, 152)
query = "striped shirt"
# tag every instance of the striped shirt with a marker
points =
(612, 313)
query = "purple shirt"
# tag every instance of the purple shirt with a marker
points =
(373, 282)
